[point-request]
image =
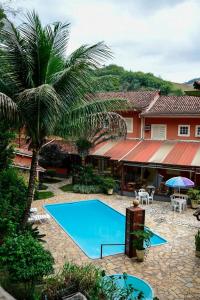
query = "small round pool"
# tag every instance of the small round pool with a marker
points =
(137, 283)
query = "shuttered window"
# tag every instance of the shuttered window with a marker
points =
(158, 132)
(129, 124)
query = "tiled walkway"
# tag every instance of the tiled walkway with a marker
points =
(171, 269)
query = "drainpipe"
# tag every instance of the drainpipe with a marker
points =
(142, 128)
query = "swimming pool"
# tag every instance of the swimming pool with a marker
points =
(92, 223)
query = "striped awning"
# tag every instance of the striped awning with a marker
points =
(147, 151)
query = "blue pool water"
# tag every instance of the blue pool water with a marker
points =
(138, 284)
(92, 223)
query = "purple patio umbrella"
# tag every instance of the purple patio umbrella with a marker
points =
(179, 182)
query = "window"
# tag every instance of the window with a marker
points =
(129, 124)
(197, 131)
(158, 132)
(183, 130)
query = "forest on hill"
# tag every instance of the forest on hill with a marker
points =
(114, 78)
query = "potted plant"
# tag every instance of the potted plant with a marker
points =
(108, 185)
(194, 195)
(197, 243)
(142, 241)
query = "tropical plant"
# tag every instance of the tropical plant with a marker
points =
(194, 194)
(6, 149)
(13, 197)
(52, 155)
(25, 260)
(90, 281)
(86, 189)
(108, 183)
(142, 238)
(42, 90)
(110, 126)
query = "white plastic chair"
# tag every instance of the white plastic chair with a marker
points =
(144, 196)
(151, 196)
(38, 218)
(142, 190)
(137, 196)
(33, 210)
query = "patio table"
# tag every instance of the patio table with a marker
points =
(181, 204)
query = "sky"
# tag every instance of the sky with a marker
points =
(157, 36)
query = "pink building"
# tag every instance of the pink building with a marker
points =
(163, 140)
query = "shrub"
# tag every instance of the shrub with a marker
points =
(108, 183)
(6, 149)
(90, 281)
(72, 279)
(86, 189)
(51, 173)
(13, 197)
(25, 260)
(52, 155)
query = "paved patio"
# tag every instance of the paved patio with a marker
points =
(171, 269)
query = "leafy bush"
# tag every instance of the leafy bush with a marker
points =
(88, 280)
(51, 173)
(71, 279)
(85, 175)
(194, 194)
(6, 149)
(52, 155)
(108, 183)
(13, 197)
(86, 189)
(25, 261)
(66, 188)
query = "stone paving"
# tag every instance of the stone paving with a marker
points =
(172, 269)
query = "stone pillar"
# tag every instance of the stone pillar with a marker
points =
(135, 218)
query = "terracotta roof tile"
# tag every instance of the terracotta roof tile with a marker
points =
(174, 105)
(140, 99)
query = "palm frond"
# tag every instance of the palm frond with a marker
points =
(75, 80)
(8, 110)
(106, 124)
(46, 46)
(14, 57)
(40, 109)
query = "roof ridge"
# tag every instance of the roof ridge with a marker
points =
(152, 103)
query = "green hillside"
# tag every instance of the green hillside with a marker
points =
(183, 86)
(115, 78)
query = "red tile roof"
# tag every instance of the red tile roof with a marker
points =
(139, 100)
(176, 105)
(24, 162)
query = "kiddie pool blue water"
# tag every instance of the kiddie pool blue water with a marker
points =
(138, 284)
(92, 223)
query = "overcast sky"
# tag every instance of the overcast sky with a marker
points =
(158, 36)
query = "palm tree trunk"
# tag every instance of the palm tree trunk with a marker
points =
(31, 185)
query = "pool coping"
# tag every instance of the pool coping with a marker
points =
(102, 202)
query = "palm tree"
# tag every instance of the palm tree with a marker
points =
(41, 87)
(96, 129)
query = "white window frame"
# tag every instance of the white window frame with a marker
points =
(129, 119)
(153, 125)
(196, 131)
(183, 125)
